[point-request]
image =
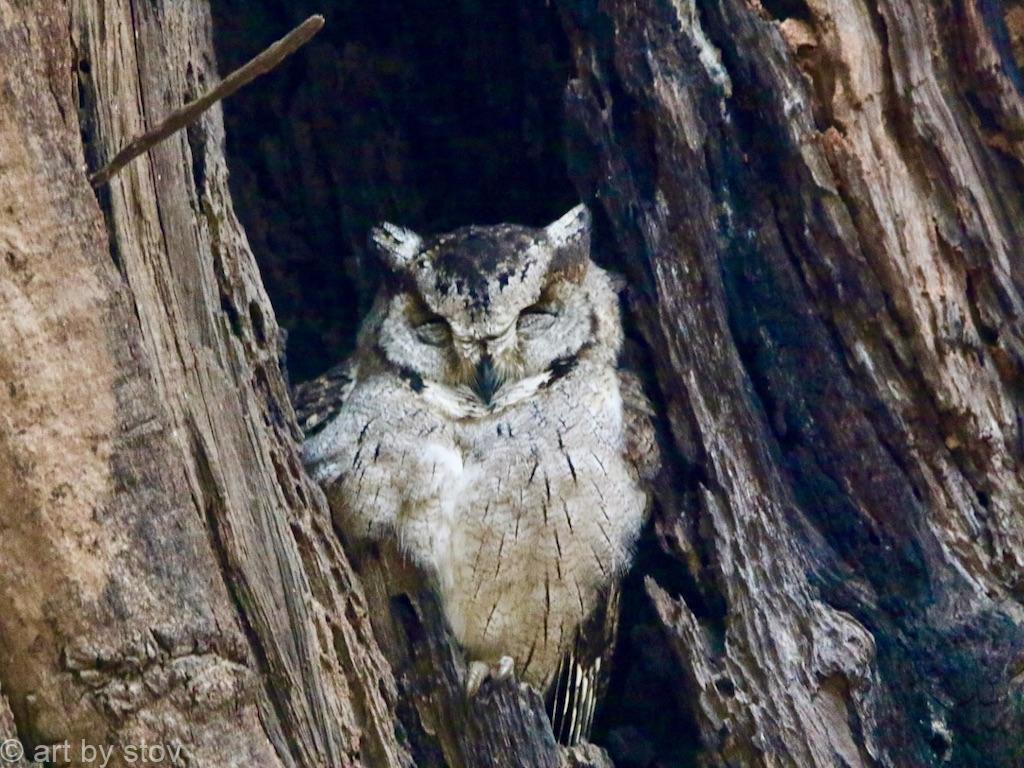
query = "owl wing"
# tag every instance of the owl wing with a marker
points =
(641, 445)
(583, 674)
(318, 400)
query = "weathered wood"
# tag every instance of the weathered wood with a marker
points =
(184, 116)
(821, 209)
(818, 206)
(169, 573)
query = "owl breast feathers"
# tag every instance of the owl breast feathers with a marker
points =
(483, 426)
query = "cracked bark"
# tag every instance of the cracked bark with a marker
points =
(169, 574)
(820, 207)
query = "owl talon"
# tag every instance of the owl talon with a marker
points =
(478, 672)
(506, 669)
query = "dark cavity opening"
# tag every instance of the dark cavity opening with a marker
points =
(429, 113)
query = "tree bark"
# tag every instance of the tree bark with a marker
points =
(818, 207)
(170, 575)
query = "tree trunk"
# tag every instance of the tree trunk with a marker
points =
(170, 575)
(818, 206)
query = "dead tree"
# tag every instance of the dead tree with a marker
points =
(818, 207)
(169, 573)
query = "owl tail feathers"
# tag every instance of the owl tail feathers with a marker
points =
(582, 676)
(574, 700)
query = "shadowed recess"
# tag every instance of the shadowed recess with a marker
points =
(431, 114)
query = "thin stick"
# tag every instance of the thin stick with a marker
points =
(189, 113)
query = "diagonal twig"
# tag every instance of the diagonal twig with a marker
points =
(264, 62)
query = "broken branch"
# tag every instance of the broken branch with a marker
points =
(269, 59)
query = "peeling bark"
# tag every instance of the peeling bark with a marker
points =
(170, 575)
(821, 210)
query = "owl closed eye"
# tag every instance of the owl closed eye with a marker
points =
(434, 331)
(537, 319)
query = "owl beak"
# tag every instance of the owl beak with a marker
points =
(487, 381)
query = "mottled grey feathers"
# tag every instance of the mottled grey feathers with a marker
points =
(320, 399)
(487, 429)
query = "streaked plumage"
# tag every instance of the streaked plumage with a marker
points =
(484, 424)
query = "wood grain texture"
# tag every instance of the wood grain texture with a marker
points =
(188, 113)
(820, 204)
(170, 574)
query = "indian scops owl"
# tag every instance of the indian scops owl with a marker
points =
(485, 424)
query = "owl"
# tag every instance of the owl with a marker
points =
(485, 425)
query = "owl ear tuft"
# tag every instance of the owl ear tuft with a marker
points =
(398, 245)
(570, 236)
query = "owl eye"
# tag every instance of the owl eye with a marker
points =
(434, 332)
(537, 318)
(540, 309)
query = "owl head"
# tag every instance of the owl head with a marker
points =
(481, 308)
